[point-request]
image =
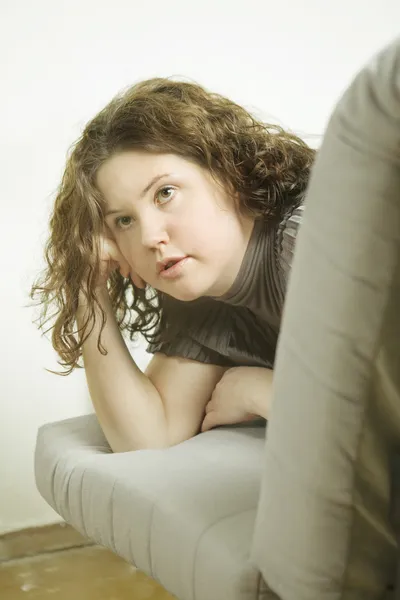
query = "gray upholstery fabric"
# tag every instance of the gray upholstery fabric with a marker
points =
(322, 528)
(185, 515)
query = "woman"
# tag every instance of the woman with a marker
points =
(176, 217)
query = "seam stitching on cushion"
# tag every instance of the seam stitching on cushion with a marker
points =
(150, 538)
(112, 511)
(82, 511)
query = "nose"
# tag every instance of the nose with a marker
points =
(153, 231)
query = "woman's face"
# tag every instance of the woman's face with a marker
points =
(161, 207)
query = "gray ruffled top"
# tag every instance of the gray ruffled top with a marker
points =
(242, 327)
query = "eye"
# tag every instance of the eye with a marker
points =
(165, 194)
(123, 222)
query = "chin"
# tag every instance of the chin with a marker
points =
(185, 296)
(186, 293)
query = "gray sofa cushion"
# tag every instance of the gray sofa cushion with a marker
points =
(184, 515)
(323, 529)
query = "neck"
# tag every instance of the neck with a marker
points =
(229, 277)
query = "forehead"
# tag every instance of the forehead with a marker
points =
(128, 173)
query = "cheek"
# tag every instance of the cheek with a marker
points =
(191, 225)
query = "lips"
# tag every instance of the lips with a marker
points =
(173, 268)
(168, 263)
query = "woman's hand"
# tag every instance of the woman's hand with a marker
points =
(111, 259)
(242, 394)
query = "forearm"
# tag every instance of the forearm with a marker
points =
(127, 404)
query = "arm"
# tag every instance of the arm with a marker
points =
(185, 386)
(136, 410)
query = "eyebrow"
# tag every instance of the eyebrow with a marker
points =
(143, 192)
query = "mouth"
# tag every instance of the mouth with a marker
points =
(170, 264)
(169, 269)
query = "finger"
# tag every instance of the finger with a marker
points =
(205, 426)
(124, 270)
(110, 251)
(209, 422)
(124, 267)
(209, 407)
(110, 248)
(137, 280)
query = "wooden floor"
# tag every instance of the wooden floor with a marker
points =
(86, 573)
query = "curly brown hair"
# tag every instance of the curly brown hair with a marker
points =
(265, 165)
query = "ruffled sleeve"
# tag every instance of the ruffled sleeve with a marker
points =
(187, 347)
(199, 330)
(215, 333)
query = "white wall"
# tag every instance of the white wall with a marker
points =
(61, 62)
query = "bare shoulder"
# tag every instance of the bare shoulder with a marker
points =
(185, 387)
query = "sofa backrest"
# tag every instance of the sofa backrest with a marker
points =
(323, 528)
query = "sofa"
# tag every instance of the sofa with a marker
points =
(305, 508)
